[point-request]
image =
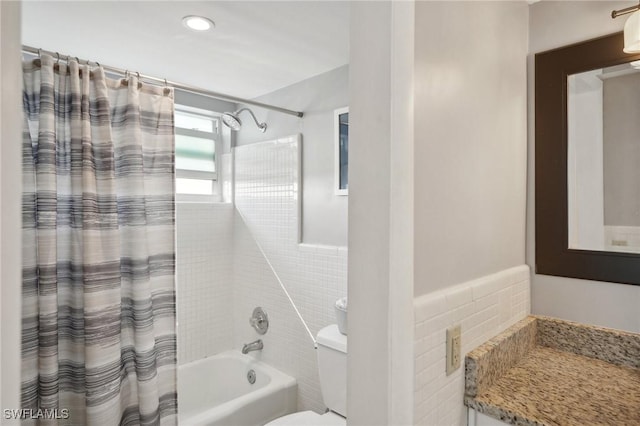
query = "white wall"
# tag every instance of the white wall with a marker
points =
(470, 188)
(370, 142)
(10, 202)
(401, 227)
(552, 25)
(470, 153)
(324, 213)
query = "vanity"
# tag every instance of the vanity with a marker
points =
(544, 371)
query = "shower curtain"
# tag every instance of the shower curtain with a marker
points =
(99, 338)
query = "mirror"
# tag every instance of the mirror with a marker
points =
(587, 127)
(603, 166)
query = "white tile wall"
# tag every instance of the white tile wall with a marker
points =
(204, 279)
(267, 191)
(226, 177)
(484, 307)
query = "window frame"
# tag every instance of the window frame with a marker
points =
(216, 137)
(336, 136)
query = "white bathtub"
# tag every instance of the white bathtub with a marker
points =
(215, 392)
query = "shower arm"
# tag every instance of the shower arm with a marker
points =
(261, 126)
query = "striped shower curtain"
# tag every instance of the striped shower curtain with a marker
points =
(99, 338)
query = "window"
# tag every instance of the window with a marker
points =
(197, 140)
(341, 124)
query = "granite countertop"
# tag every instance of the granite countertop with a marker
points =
(545, 371)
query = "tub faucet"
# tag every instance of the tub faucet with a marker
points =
(253, 346)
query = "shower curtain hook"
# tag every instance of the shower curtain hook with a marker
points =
(78, 61)
(58, 61)
(138, 75)
(165, 83)
(40, 53)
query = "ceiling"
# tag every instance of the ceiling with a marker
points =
(257, 46)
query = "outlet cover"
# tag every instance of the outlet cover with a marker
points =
(454, 351)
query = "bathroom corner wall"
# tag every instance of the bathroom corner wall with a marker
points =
(267, 192)
(204, 279)
(484, 307)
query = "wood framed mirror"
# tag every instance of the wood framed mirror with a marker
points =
(564, 246)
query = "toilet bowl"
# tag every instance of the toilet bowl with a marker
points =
(332, 370)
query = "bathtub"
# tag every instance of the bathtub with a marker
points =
(215, 391)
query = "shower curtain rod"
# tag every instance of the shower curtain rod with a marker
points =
(180, 86)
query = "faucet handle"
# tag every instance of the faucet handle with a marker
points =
(256, 322)
(259, 320)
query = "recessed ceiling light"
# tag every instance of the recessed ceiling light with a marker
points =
(198, 23)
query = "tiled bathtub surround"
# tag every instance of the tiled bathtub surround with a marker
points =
(205, 279)
(545, 371)
(483, 307)
(267, 191)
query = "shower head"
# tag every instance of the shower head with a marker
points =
(231, 120)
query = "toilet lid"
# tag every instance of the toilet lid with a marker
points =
(309, 418)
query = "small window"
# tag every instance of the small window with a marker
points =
(197, 140)
(341, 125)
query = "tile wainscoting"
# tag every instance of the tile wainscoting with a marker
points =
(483, 307)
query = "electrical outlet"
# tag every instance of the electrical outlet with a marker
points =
(454, 344)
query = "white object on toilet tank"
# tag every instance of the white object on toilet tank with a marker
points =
(332, 368)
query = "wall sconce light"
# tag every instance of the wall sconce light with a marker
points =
(631, 28)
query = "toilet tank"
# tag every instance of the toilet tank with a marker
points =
(332, 368)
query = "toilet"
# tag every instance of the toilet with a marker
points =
(332, 370)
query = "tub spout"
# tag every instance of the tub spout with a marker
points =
(253, 346)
